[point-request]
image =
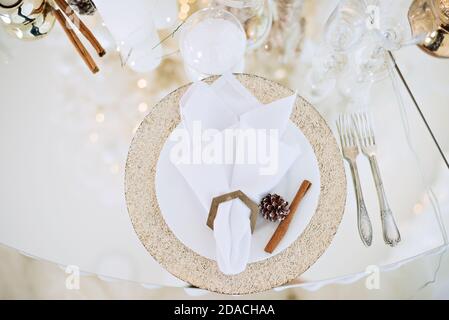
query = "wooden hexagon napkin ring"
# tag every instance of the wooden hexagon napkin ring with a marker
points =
(228, 197)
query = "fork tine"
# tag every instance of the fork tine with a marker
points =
(351, 131)
(338, 122)
(341, 130)
(368, 128)
(356, 122)
(364, 129)
(345, 126)
(370, 122)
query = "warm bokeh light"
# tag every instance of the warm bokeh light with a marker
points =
(142, 83)
(99, 117)
(418, 208)
(143, 107)
(185, 7)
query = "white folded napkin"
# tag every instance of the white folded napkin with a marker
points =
(227, 107)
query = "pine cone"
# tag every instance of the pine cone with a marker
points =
(274, 208)
(83, 7)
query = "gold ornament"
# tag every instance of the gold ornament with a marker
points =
(429, 19)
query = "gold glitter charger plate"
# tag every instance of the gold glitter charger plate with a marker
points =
(202, 272)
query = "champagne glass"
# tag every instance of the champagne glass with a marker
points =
(212, 42)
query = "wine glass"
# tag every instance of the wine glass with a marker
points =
(133, 31)
(212, 42)
(321, 78)
(343, 32)
(165, 13)
(346, 25)
(372, 59)
(140, 51)
(391, 33)
(287, 32)
(256, 17)
(355, 85)
(393, 29)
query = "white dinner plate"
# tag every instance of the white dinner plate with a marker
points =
(186, 217)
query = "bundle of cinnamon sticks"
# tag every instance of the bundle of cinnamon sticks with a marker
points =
(68, 20)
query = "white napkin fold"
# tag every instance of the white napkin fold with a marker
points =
(227, 106)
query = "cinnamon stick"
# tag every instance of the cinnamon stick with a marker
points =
(76, 41)
(81, 26)
(282, 228)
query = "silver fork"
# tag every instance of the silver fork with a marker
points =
(365, 134)
(350, 152)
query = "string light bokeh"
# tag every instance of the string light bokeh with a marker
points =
(185, 7)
